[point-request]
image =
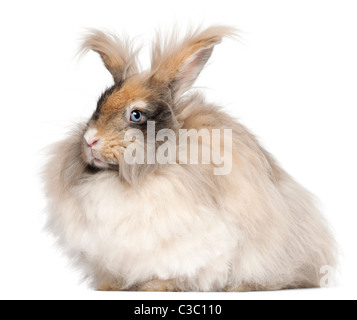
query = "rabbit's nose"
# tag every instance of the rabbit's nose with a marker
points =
(91, 144)
(90, 137)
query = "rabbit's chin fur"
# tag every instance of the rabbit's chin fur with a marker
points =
(252, 229)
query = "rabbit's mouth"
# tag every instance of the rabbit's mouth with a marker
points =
(99, 163)
(93, 158)
(102, 151)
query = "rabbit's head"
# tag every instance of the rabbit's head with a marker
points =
(138, 97)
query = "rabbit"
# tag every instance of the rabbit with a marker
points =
(177, 226)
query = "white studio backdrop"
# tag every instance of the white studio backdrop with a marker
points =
(291, 79)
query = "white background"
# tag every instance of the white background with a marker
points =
(292, 80)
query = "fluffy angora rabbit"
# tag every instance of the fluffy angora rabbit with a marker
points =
(233, 220)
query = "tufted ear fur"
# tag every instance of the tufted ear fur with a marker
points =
(178, 64)
(118, 55)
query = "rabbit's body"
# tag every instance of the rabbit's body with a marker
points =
(179, 227)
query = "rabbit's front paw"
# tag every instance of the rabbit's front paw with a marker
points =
(159, 285)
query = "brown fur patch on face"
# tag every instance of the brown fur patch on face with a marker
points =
(111, 148)
(115, 104)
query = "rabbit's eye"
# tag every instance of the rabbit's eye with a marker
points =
(136, 116)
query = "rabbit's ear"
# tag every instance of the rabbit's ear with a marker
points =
(177, 65)
(118, 55)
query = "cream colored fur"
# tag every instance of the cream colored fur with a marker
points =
(253, 229)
